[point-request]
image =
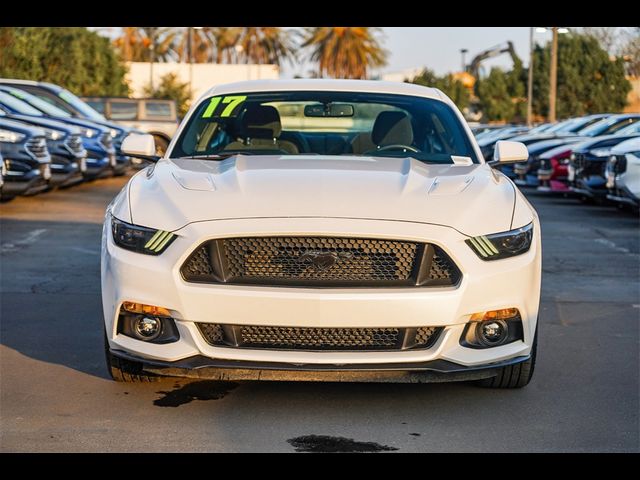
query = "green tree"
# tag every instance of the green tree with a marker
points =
(631, 52)
(588, 80)
(171, 88)
(495, 96)
(72, 57)
(451, 87)
(266, 45)
(344, 52)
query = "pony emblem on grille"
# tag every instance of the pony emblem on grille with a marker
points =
(323, 260)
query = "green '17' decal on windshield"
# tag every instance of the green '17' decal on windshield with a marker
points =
(231, 102)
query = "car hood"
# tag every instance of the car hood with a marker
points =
(472, 199)
(20, 127)
(47, 123)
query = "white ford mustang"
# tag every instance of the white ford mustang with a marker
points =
(322, 230)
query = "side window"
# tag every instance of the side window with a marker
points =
(96, 105)
(157, 110)
(124, 110)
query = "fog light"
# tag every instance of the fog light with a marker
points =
(492, 328)
(147, 328)
(493, 332)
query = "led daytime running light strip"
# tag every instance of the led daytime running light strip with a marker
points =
(484, 246)
(158, 241)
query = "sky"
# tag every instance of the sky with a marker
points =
(438, 48)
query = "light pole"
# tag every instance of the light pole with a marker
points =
(553, 72)
(530, 81)
(152, 56)
(463, 52)
(553, 75)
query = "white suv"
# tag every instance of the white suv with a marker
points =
(322, 230)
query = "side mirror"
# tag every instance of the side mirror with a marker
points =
(140, 146)
(509, 152)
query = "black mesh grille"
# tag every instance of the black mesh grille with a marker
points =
(319, 258)
(320, 261)
(199, 264)
(579, 160)
(37, 146)
(106, 140)
(425, 335)
(212, 333)
(620, 165)
(74, 144)
(311, 338)
(442, 267)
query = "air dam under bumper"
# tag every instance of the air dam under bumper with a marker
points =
(435, 371)
(156, 280)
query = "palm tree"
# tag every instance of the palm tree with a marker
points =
(266, 45)
(225, 40)
(142, 44)
(163, 43)
(344, 52)
(133, 44)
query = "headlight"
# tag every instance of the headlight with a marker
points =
(113, 132)
(88, 132)
(601, 152)
(53, 134)
(8, 136)
(502, 245)
(140, 239)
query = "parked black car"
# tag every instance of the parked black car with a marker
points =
(76, 108)
(587, 164)
(97, 140)
(26, 159)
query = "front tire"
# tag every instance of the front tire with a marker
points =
(514, 376)
(126, 371)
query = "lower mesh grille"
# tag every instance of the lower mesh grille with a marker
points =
(311, 338)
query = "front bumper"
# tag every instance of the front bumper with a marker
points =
(433, 371)
(129, 276)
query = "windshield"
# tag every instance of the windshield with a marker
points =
(607, 126)
(37, 103)
(561, 126)
(541, 128)
(79, 105)
(325, 123)
(629, 129)
(17, 105)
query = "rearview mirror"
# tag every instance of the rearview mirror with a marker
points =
(329, 110)
(509, 152)
(140, 146)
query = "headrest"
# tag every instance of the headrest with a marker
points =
(392, 128)
(261, 121)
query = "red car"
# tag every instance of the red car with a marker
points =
(553, 171)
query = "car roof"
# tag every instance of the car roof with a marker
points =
(301, 85)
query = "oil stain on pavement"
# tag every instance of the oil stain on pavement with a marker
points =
(202, 390)
(328, 444)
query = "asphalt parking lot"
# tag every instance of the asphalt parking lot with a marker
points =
(55, 394)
